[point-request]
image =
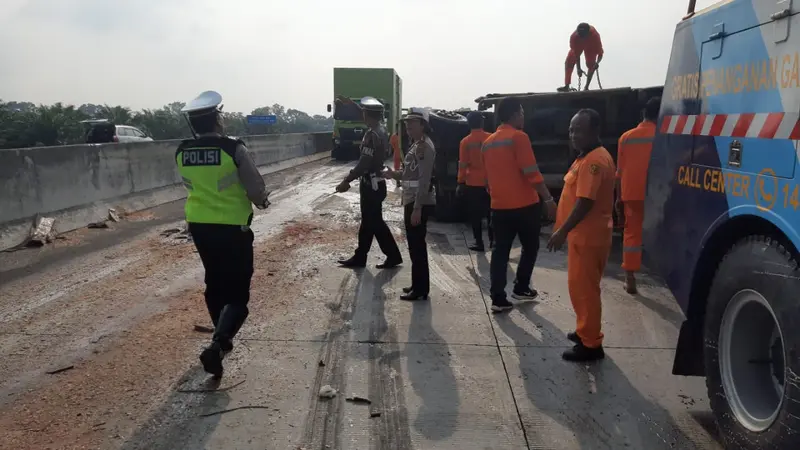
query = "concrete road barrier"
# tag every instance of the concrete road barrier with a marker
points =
(77, 184)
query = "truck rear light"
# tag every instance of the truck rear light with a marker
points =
(115, 138)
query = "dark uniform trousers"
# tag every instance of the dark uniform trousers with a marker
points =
(508, 224)
(372, 223)
(227, 255)
(478, 209)
(418, 249)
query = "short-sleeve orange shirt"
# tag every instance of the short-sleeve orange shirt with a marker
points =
(591, 177)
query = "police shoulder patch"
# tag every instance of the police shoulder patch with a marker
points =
(594, 169)
(201, 157)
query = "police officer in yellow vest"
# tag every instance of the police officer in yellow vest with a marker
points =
(222, 181)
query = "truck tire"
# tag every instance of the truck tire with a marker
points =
(752, 339)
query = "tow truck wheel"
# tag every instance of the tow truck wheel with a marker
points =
(752, 338)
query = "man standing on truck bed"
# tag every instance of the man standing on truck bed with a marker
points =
(372, 189)
(515, 186)
(585, 40)
(222, 180)
(584, 217)
(472, 180)
(633, 160)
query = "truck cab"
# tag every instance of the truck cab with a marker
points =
(349, 128)
(356, 83)
(721, 213)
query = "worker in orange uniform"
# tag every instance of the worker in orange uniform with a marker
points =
(515, 186)
(633, 159)
(585, 40)
(472, 180)
(584, 219)
(397, 153)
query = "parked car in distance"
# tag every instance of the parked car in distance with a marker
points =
(102, 131)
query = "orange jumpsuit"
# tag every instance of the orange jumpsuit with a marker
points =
(470, 162)
(394, 141)
(633, 158)
(591, 47)
(589, 243)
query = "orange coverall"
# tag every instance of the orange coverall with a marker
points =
(589, 243)
(633, 158)
(591, 47)
(511, 169)
(470, 162)
(394, 141)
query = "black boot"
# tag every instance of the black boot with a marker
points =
(413, 296)
(477, 247)
(406, 290)
(390, 263)
(353, 263)
(581, 353)
(212, 357)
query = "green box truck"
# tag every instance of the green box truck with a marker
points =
(356, 83)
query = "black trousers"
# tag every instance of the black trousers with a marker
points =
(508, 224)
(418, 250)
(478, 209)
(372, 223)
(227, 255)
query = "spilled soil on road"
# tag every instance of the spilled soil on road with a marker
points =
(132, 336)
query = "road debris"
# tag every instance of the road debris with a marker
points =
(359, 400)
(103, 224)
(62, 369)
(112, 215)
(321, 363)
(327, 392)
(374, 414)
(216, 413)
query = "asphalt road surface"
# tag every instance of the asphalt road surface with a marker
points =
(100, 352)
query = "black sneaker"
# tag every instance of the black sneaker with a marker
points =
(581, 353)
(477, 247)
(211, 358)
(525, 294)
(501, 305)
(407, 290)
(573, 336)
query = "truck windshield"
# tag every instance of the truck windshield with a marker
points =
(347, 112)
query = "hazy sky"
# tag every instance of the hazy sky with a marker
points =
(146, 53)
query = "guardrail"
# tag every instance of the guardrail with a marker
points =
(77, 184)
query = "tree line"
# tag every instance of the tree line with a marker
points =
(23, 124)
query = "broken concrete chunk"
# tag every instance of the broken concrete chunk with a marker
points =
(112, 215)
(327, 391)
(42, 231)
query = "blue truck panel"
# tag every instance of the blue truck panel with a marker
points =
(732, 82)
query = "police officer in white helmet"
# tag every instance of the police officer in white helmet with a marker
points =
(372, 188)
(222, 182)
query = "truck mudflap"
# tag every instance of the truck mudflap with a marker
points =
(689, 352)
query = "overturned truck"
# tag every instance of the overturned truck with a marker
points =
(547, 117)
